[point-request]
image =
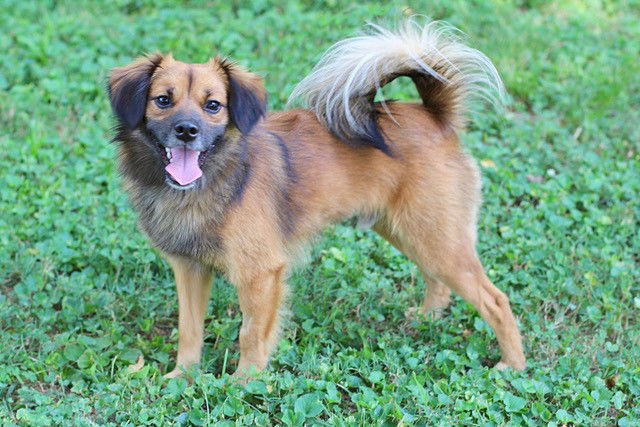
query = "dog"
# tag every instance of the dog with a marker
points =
(222, 186)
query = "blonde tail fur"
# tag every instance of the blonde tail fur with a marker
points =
(447, 73)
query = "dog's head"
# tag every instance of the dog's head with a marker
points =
(184, 111)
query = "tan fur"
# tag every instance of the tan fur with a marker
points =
(425, 198)
(428, 196)
(193, 283)
(190, 92)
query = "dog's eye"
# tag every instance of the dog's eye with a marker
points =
(212, 106)
(163, 101)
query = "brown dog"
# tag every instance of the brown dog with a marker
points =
(220, 186)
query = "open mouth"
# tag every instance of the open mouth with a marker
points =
(183, 166)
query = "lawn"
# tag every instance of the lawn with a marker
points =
(82, 294)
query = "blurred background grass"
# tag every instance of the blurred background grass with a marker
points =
(82, 294)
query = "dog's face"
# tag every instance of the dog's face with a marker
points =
(184, 111)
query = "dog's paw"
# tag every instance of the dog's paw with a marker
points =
(246, 372)
(421, 312)
(136, 366)
(501, 366)
(239, 378)
(243, 375)
(177, 372)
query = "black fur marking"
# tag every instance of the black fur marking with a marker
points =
(286, 156)
(436, 96)
(190, 78)
(129, 100)
(373, 136)
(245, 107)
(140, 159)
(242, 173)
(286, 209)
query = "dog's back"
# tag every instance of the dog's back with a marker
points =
(356, 155)
(334, 179)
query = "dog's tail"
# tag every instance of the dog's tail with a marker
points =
(447, 73)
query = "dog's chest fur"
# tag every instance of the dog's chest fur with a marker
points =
(185, 223)
(180, 223)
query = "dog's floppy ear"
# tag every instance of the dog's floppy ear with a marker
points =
(247, 96)
(129, 88)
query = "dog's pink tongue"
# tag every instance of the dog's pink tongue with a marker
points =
(183, 166)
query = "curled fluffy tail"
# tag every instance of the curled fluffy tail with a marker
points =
(447, 73)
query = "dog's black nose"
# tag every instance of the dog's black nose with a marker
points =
(186, 130)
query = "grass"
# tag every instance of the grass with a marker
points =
(82, 294)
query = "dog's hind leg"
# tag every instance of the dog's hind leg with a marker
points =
(260, 296)
(436, 299)
(193, 284)
(463, 273)
(433, 219)
(437, 295)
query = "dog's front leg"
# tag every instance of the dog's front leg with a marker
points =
(260, 299)
(193, 283)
